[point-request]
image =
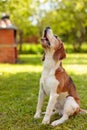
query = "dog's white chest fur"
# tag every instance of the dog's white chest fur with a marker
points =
(48, 75)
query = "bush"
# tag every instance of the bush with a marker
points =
(31, 49)
(37, 48)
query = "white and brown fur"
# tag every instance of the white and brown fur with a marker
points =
(56, 83)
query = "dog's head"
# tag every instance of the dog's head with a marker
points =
(51, 41)
(44, 40)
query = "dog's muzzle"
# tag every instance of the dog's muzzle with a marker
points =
(45, 35)
(45, 32)
(45, 40)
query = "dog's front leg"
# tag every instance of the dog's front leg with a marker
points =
(40, 102)
(50, 107)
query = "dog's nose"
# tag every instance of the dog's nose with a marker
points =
(45, 31)
(48, 28)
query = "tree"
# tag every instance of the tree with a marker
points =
(68, 19)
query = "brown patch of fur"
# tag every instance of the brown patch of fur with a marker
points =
(66, 84)
(77, 111)
(59, 53)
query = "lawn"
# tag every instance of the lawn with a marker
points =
(19, 85)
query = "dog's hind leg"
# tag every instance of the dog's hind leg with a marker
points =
(60, 121)
(70, 107)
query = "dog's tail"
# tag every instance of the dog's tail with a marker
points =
(83, 110)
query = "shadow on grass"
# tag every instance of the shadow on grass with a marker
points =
(30, 59)
(18, 99)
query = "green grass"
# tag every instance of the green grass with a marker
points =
(19, 85)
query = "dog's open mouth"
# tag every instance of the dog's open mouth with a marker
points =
(45, 32)
(45, 35)
(48, 39)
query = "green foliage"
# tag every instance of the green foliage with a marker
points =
(19, 11)
(68, 19)
(31, 49)
(19, 85)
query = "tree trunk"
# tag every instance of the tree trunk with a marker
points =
(20, 41)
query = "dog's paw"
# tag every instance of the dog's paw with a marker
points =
(54, 123)
(37, 115)
(46, 121)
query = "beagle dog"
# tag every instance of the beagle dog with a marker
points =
(55, 82)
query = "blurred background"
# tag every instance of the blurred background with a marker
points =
(68, 19)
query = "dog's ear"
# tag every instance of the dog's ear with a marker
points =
(59, 53)
(43, 57)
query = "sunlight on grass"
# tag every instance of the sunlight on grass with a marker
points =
(7, 68)
(75, 63)
(76, 69)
